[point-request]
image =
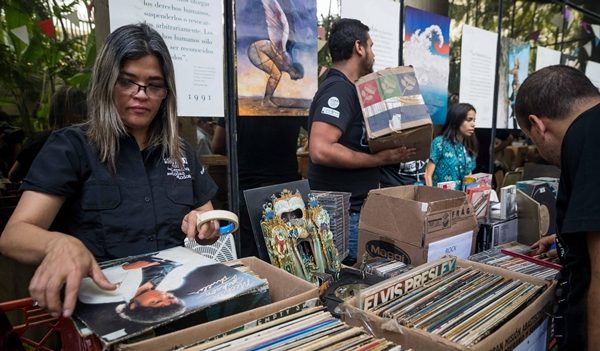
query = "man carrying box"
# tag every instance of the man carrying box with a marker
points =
(558, 107)
(340, 159)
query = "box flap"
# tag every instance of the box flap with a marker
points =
(386, 212)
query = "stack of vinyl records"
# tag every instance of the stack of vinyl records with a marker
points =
(337, 205)
(461, 304)
(311, 328)
(519, 258)
(385, 267)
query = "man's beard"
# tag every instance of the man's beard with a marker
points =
(367, 67)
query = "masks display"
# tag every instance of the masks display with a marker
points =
(298, 237)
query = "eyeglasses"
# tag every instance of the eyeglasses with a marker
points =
(131, 88)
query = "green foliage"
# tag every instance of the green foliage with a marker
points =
(32, 72)
(531, 22)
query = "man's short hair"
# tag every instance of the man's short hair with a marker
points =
(552, 92)
(342, 36)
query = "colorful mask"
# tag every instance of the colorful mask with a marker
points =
(298, 238)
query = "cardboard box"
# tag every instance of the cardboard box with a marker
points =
(496, 232)
(405, 222)
(394, 111)
(534, 219)
(285, 290)
(507, 337)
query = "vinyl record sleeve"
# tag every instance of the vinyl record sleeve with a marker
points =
(191, 288)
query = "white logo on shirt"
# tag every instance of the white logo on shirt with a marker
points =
(330, 111)
(333, 102)
(173, 169)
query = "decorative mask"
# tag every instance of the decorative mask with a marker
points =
(298, 238)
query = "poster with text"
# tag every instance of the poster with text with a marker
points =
(383, 19)
(193, 32)
(478, 72)
(592, 71)
(518, 68)
(426, 48)
(546, 57)
(276, 56)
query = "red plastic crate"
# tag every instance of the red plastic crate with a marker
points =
(33, 316)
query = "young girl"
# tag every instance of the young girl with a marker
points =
(453, 153)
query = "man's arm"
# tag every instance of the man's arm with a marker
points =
(429, 169)
(593, 294)
(324, 149)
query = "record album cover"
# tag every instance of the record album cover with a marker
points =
(161, 289)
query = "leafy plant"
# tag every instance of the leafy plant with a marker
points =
(32, 71)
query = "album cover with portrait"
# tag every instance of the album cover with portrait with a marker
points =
(163, 292)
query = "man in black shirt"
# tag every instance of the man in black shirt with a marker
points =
(405, 173)
(559, 109)
(340, 159)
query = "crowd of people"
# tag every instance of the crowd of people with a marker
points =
(116, 179)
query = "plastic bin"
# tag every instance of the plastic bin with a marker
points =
(36, 317)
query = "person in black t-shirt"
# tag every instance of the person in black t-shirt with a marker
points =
(123, 184)
(558, 107)
(405, 173)
(340, 159)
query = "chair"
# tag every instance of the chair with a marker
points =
(511, 178)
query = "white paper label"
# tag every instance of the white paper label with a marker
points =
(536, 341)
(458, 245)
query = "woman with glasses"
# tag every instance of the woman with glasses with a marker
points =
(124, 183)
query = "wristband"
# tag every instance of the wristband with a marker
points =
(220, 215)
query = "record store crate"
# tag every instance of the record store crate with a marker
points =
(337, 205)
(36, 327)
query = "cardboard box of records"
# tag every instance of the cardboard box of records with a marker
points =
(285, 291)
(416, 224)
(454, 304)
(394, 111)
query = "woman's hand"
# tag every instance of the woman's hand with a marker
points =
(66, 263)
(207, 233)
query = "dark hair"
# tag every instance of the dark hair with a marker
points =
(457, 114)
(342, 36)
(552, 92)
(129, 43)
(68, 107)
(145, 314)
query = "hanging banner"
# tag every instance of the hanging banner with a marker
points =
(427, 48)
(21, 33)
(383, 18)
(518, 67)
(478, 72)
(546, 57)
(592, 71)
(193, 32)
(276, 56)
